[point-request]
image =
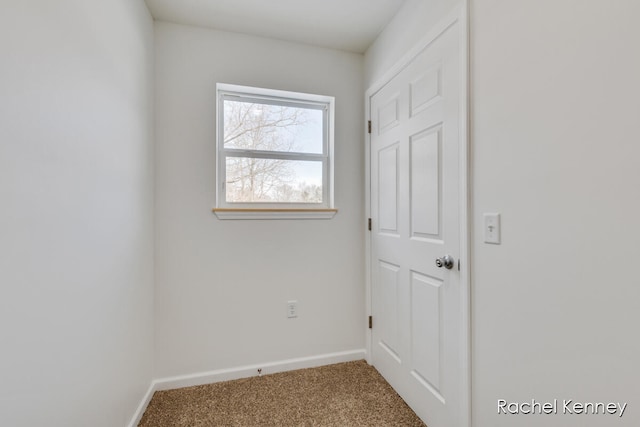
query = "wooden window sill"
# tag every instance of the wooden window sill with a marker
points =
(254, 213)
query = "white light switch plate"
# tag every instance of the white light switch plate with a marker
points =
(292, 309)
(492, 228)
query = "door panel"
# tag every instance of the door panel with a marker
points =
(415, 190)
(425, 89)
(388, 185)
(426, 354)
(425, 184)
(389, 312)
(388, 115)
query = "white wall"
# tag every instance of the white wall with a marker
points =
(76, 200)
(556, 131)
(222, 286)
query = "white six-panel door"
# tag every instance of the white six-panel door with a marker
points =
(415, 210)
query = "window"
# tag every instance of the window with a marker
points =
(275, 154)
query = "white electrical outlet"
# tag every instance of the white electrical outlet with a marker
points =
(292, 309)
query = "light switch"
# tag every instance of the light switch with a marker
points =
(492, 228)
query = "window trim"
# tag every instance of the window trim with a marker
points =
(261, 210)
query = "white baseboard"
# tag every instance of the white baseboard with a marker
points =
(219, 375)
(137, 416)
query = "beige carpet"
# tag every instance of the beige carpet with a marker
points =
(345, 394)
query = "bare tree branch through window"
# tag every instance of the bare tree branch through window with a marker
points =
(271, 128)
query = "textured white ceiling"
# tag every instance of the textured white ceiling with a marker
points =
(350, 25)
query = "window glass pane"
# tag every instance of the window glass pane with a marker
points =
(255, 126)
(251, 180)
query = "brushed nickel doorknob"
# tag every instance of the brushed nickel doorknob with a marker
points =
(446, 261)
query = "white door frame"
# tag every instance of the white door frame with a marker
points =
(461, 16)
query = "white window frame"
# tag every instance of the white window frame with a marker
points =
(324, 210)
